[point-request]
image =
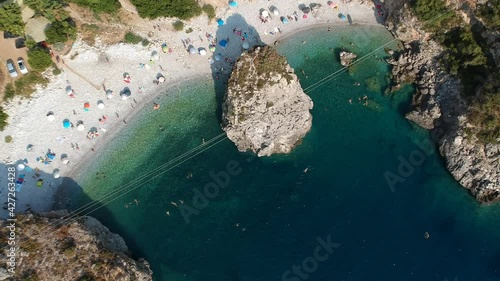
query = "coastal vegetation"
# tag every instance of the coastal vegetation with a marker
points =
(52, 10)
(61, 31)
(132, 38)
(100, 6)
(3, 119)
(10, 19)
(209, 10)
(178, 25)
(39, 59)
(467, 55)
(182, 9)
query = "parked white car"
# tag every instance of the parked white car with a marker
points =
(11, 69)
(22, 66)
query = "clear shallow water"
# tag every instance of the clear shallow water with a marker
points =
(272, 213)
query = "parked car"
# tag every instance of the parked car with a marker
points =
(12, 70)
(22, 66)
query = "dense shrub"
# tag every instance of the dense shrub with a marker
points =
(39, 59)
(60, 31)
(461, 51)
(435, 14)
(51, 9)
(8, 139)
(485, 111)
(183, 9)
(178, 25)
(132, 38)
(10, 19)
(209, 10)
(490, 13)
(26, 85)
(3, 119)
(99, 6)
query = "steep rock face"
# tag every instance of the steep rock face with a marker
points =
(438, 105)
(52, 248)
(265, 109)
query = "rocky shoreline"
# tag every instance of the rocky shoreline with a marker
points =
(438, 105)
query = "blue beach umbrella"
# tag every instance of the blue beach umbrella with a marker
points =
(220, 22)
(342, 17)
(66, 123)
(223, 43)
(284, 20)
(233, 4)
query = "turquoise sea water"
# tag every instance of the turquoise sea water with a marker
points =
(274, 212)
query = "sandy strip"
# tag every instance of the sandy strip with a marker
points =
(88, 68)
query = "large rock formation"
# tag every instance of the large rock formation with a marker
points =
(265, 109)
(346, 58)
(52, 248)
(439, 106)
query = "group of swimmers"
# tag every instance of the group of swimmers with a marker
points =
(360, 100)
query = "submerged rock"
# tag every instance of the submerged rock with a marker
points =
(265, 109)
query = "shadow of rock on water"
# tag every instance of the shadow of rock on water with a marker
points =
(231, 40)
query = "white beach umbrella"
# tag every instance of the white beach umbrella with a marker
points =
(50, 116)
(100, 104)
(245, 45)
(109, 94)
(56, 173)
(161, 79)
(124, 97)
(192, 50)
(80, 127)
(203, 52)
(20, 167)
(264, 14)
(276, 11)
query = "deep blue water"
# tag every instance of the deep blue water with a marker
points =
(274, 210)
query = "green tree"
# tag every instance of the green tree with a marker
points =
(132, 38)
(51, 9)
(183, 9)
(434, 14)
(3, 119)
(10, 19)
(462, 51)
(490, 13)
(39, 59)
(484, 113)
(60, 31)
(178, 25)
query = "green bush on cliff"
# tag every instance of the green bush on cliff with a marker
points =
(485, 112)
(490, 13)
(209, 10)
(182, 9)
(434, 14)
(462, 51)
(39, 59)
(51, 9)
(99, 6)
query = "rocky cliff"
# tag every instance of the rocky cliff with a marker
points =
(51, 248)
(265, 109)
(439, 106)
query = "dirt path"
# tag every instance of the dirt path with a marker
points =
(128, 6)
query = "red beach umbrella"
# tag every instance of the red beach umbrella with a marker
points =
(86, 106)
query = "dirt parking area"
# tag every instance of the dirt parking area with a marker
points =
(8, 51)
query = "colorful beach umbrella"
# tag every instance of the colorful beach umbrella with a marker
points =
(39, 182)
(284, 20)
(86, 106)
(223, 43)
(66, 123)
(220, 22)
(164, 47)
(211, 48)
(233, 4)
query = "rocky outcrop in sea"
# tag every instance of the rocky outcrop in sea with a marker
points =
(53, 248)
(439, 106)
(346, 58)
(265, 109)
